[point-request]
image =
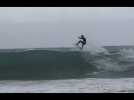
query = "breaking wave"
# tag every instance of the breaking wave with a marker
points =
(66, 63)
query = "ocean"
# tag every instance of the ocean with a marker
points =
(67, 70)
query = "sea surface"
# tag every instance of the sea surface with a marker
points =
(67, 70)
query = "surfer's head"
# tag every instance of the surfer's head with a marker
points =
(82, 35)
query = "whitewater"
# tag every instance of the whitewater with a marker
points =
(88, 85)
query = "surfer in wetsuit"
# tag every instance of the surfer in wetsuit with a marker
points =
(82, 41)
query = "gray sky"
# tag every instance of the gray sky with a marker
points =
(31, 27)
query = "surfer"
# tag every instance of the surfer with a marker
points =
(82, 41)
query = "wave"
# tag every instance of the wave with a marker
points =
(43, 64)
(56, 64)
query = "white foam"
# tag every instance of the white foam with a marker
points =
(102, 62)
(108, 65)
(127, 53)
(88, 85)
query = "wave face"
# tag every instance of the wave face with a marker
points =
(66, 63)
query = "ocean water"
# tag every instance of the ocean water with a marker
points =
(67, 70)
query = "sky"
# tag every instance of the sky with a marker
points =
(40, 27)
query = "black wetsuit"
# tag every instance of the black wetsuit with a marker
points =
(84, 40)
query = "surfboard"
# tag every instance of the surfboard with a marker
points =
(77, 46)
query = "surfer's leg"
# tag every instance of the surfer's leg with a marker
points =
(78, 42)
(83, 43)
(82, 46)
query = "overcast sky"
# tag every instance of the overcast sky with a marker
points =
(33, 27)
